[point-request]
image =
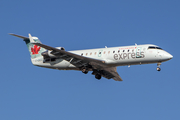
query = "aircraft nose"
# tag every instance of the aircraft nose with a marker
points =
(169, 56)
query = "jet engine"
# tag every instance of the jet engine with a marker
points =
(48, 53)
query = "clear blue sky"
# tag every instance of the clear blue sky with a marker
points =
(28, 92)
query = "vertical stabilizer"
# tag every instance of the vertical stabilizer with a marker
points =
(34, 50)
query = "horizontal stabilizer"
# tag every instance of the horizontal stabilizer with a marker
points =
(18, 36)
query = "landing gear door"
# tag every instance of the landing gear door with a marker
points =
(138, 52)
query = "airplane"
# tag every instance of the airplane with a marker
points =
(101, 61)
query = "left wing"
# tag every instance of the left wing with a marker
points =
(80, 61)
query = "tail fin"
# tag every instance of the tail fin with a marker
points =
(35, 51)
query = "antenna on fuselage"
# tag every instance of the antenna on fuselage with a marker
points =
(105, 46)
(135, 44)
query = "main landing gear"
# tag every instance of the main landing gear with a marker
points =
(158, 67)
(97, 74)
(84, 70)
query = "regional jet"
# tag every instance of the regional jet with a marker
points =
(102, 61)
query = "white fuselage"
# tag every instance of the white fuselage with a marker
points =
(113, 56)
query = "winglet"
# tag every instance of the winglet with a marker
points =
(31, 39)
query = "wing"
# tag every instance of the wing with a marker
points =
(80, 61)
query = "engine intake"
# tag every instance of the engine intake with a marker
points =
(60, 48)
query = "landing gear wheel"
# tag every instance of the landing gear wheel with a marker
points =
(98, 76)
(84, 70)
(158, 69)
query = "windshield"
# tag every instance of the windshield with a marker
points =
(154, 47)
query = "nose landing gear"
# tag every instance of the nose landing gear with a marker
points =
(158, 67)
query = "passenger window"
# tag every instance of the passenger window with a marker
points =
(108, 52)
(113, 51)
(81, 54)
(118, 51)
(86, 54)
(104, 52)
(91, 53)
(128, 50)
(95, 53)
(123, 50)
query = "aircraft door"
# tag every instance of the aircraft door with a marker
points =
(138, 52)
(100, 53)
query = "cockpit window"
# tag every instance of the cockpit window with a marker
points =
(159, 48)
(153, 47)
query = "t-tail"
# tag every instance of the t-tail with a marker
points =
(34, 50)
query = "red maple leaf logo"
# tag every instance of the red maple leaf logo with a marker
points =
(35, 50)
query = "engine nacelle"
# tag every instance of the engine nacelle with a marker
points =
(60, 48)
(48, 53)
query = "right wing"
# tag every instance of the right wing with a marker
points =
(80, 61)
(74, 59)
